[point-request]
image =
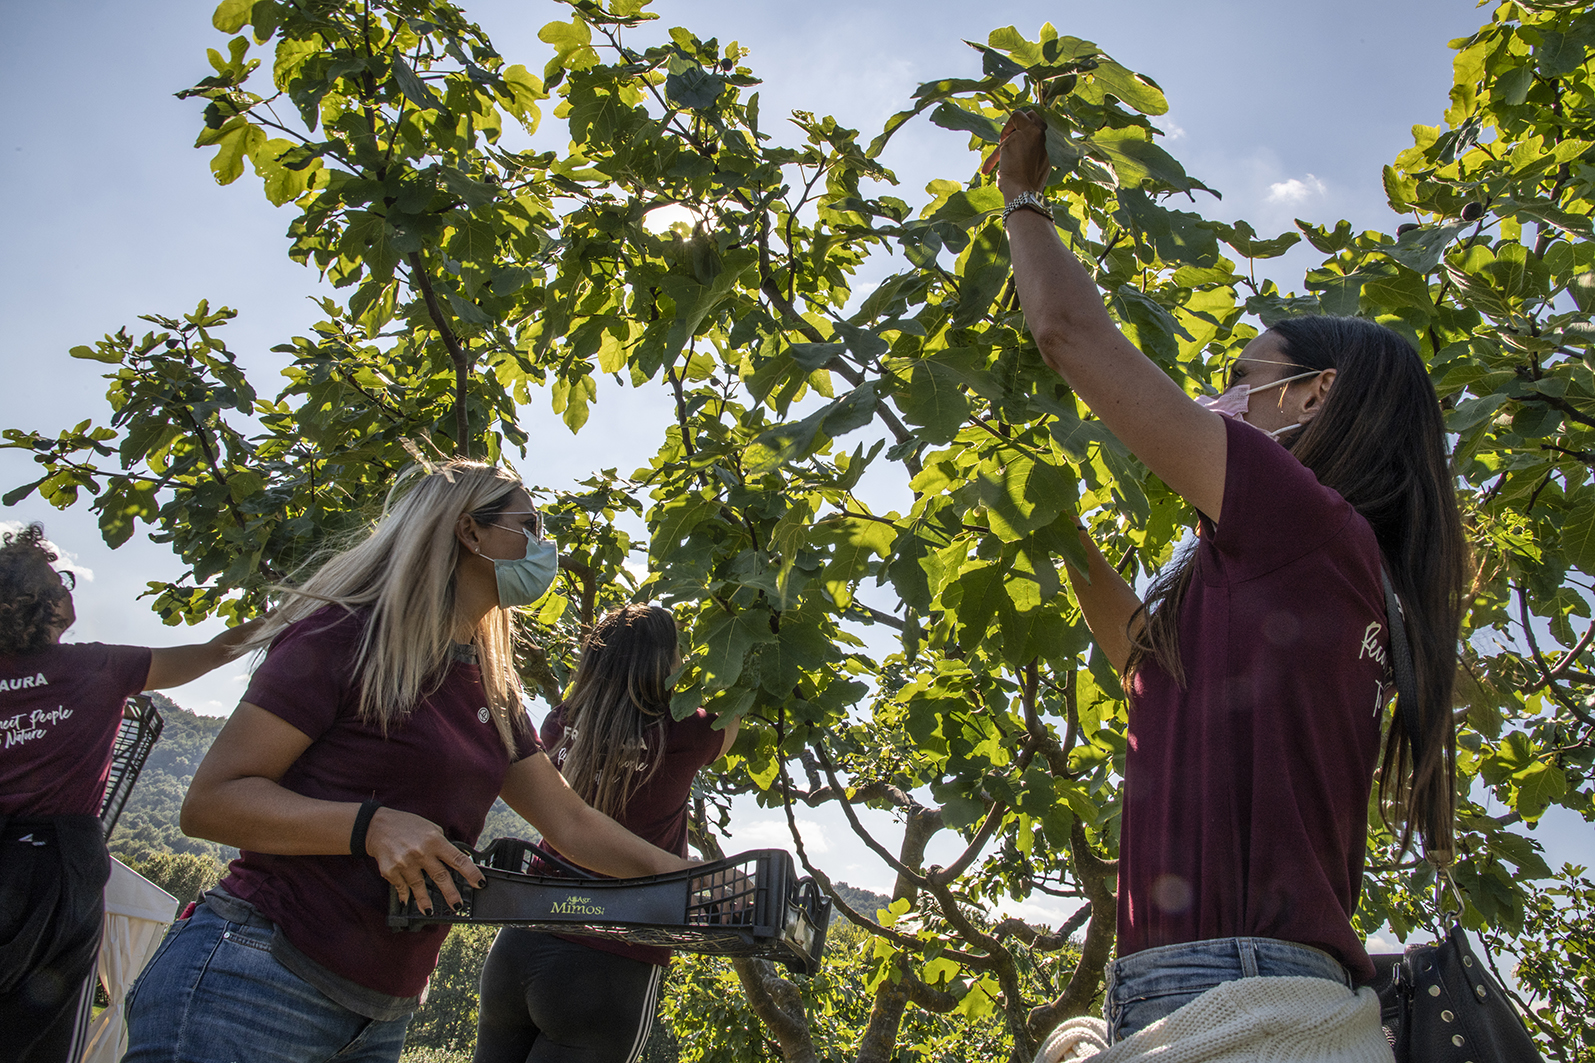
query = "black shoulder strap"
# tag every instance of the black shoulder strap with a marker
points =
(1401, 661)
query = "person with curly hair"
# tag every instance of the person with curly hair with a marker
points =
(60, 707)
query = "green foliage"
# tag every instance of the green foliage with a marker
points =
(426, 1054)
(447, 1021)
(149, 821)
(704, 1005)
(183, 875)
(502, 822)
(474, 278)
(1555, 970)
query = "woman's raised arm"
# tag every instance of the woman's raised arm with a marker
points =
(1107, 601)
(1177, 439)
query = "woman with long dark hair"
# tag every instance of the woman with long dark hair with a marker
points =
(583, 1000)
(1256, 670)
(376, 734)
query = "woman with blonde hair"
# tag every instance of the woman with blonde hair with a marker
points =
(383, 722)
(583, 1000)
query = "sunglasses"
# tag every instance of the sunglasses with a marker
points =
(1229, 367)
(536, 522)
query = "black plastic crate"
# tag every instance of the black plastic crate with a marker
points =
(135, 737)
(752, 905)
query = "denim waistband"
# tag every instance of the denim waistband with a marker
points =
(1229, 959)
(359, 999)
(234, 910)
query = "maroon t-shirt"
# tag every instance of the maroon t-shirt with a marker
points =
(59, 711)
(443, 761)
(658, 811)
(1246, 794)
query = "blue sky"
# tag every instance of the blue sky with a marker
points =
(1287, 108)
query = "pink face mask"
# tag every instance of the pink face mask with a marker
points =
(1236, 401)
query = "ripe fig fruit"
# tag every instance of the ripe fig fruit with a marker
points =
(1405, 228)
(1472, 211)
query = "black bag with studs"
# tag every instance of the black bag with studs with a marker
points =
(1437, 1002)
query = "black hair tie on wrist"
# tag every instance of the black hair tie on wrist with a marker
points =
(362, 823)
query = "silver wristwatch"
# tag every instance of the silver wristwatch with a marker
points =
(1027, 201)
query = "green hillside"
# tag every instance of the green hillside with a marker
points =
(149, 822)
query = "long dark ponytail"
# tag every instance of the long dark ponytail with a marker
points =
(1380, 443)
(621, 690)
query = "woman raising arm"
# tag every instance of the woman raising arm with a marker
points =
(1256, 670)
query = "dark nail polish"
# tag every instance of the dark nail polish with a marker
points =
(457, 908)
(482, 884)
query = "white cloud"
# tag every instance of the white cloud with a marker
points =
(1295, 190)
(67, 563)
(1039, 910)
(773, 834)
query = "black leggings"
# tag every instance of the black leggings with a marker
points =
(52, 905)
(544, 999)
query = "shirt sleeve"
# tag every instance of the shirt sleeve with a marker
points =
(553, 727)
(696, 735)
(1275, 510)
(527, 742)
(307, 678)
(126, 669)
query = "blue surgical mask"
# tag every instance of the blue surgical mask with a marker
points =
(523, 580)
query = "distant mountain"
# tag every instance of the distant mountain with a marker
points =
(863, 902)
(149, 821)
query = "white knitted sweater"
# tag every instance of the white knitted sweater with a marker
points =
(1249, 1020)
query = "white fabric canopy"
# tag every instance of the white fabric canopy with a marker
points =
(137, 913)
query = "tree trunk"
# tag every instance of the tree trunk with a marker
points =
(1099, 877)
(779, 1006)
(879, 1043)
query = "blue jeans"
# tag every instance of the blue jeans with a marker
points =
(1145, 986)
(214, 994)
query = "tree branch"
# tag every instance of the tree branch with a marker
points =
(994, 818)
(1547, 681)
(1095, 874)
(1560, 667)
(1567, 408)
(858, 828)
(1033, 938)
(457, 354)
(589, 582)
(898, 938)
(779, 1006)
